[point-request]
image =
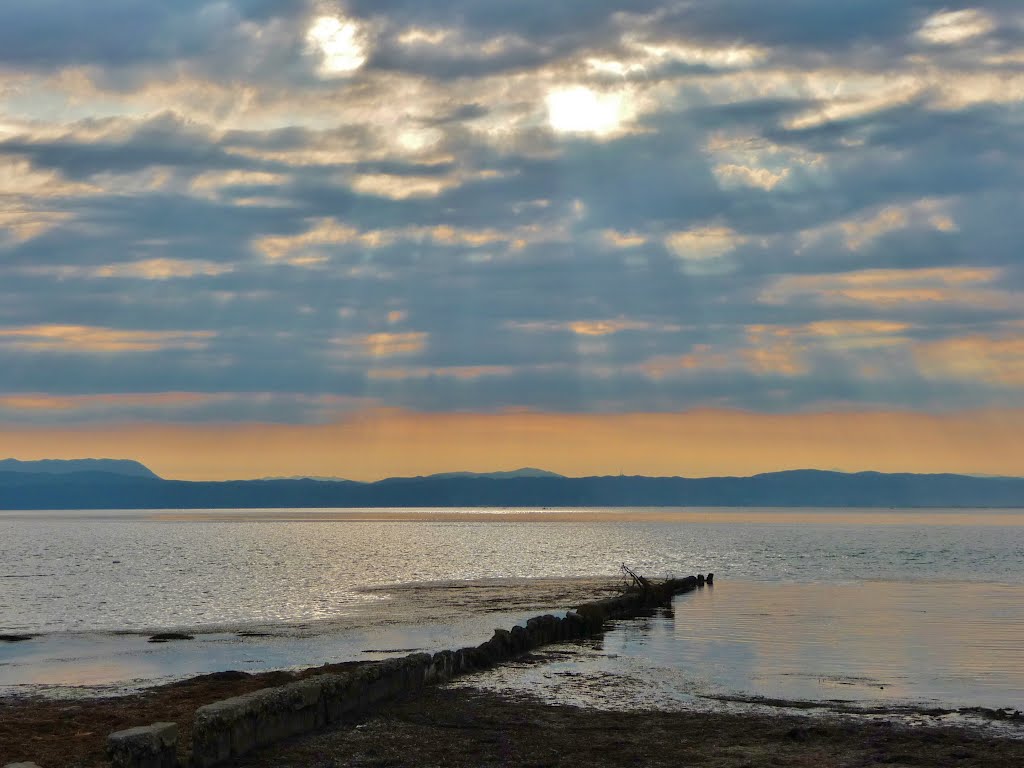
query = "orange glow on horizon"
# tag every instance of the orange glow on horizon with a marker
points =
(380, 443)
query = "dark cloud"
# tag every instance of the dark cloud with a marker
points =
(163, 141)
(801, 23)
(126, 33)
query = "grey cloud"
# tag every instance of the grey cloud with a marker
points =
(461, 114)
(124, 33)
(162, 141)
(801, 23)
(509, 309)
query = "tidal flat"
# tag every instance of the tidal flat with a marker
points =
(586, 702)
(469, 724)
(834, 621)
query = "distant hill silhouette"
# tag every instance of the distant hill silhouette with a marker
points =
(320, 478)
(125, 467)
(524, 472)
(90, 489)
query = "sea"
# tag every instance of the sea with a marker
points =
(866, 608)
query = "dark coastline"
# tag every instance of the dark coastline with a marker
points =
(800, 488)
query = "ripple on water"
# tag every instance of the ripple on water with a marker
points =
(869, 645)
(156, 570)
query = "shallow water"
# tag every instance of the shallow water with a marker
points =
(403, 619)
(871, 644)
(862, 605)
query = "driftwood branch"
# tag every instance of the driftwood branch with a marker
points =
(634, 579)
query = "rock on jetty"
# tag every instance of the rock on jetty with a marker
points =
(152, 746)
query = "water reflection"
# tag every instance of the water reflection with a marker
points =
(952, 645)
(809, 604)
(86, 664)
(208, 570)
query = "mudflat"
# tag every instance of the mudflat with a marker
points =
(462, 726)
(58, 733)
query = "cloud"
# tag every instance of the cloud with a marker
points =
(382, 345)
(704, 249)
(954, 27)
(998, 360)
(145, 269)
(490, 206)
(86, 340)
(885, 287)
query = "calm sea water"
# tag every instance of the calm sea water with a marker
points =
(873, 605)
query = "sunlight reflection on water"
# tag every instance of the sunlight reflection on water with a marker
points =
(851, 604)
(144, 570)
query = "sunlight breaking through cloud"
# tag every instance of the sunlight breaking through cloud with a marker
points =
(340, 43)
(494, 205)
(579, 109)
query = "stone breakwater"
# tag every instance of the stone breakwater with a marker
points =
(228, 729)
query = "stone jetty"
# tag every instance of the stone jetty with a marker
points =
(228, 729)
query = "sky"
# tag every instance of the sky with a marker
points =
(251, 238)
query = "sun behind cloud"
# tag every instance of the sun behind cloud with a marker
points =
(579, 109)
(340, 42)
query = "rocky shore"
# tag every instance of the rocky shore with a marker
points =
(413, 723)
(463, 727)
(213, 719)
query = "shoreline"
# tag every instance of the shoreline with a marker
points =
(63, 732)
(217, 717)
(399, 618)
(72, 734)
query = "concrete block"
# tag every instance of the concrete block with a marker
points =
(335, 691)
(550, 624)
(519, 639)
(416, 669)
(575, 625)
(467, 659)
(443, 665)
(377, 690)
(148, 746)
(504, 638)
(234, 727)
(487, 655)
(535, 631)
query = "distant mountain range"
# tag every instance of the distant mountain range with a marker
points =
(524, 472)
(125, 467)
(115, 484)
